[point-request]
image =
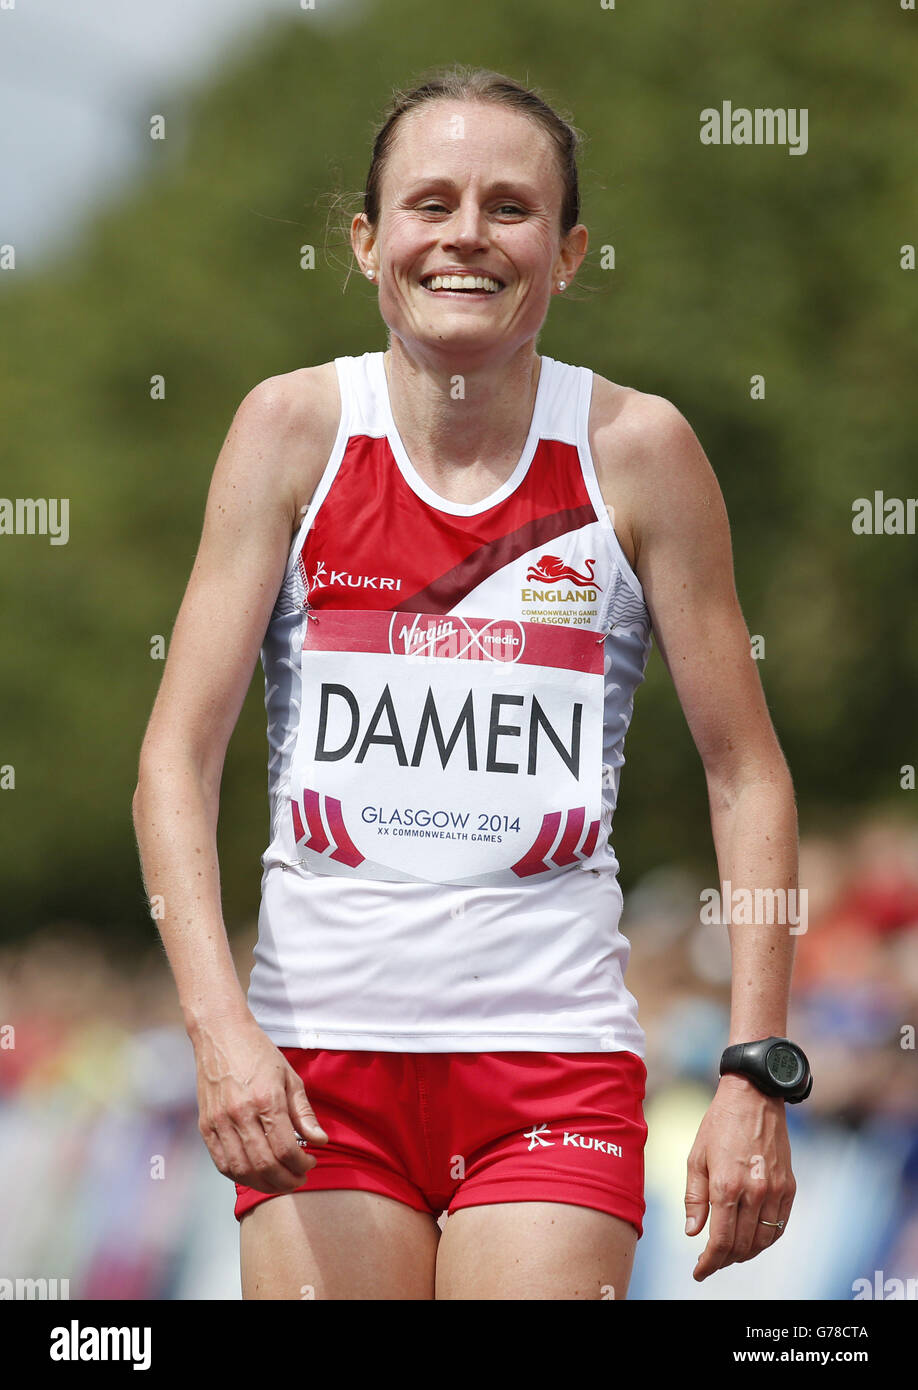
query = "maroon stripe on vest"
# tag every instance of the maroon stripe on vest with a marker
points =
(444, 593)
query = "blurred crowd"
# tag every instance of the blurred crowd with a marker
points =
(854, 1010)
(107, 1183)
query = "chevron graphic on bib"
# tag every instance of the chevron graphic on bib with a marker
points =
(533, 861)
(345, 851)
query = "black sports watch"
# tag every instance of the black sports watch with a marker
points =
(776, 1065)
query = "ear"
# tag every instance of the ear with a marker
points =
(571, 253)
(363, 243)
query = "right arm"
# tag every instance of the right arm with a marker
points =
(250, 1099)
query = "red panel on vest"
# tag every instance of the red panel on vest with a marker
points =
(376, 544)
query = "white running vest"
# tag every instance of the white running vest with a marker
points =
(448, 687)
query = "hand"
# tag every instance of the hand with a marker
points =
(740, 1168)
(250, 1103)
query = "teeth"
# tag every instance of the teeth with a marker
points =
(462, 282)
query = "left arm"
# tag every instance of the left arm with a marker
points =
(740, 1163)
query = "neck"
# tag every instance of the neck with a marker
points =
(468, 425)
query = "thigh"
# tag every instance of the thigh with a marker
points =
(539, 1250)
(340, 1244)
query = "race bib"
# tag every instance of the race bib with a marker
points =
(446, 749)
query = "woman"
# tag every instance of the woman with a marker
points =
(421, 542)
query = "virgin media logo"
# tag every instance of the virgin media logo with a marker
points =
(432, 636)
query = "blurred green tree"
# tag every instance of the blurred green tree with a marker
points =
(729, 262)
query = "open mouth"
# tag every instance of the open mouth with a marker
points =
(462, 284)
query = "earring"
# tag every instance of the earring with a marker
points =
(562, 284)
(369, 274)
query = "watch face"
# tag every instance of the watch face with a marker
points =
(784, 1065)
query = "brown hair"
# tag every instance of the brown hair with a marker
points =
(461, 83)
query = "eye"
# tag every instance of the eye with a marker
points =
(432, 207)
(512, 208)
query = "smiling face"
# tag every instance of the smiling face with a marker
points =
(468, 247)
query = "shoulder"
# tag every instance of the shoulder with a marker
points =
(648, 459)
(289, 423)
(307, 397)
(638, 424)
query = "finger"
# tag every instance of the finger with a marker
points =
(302, 1115)
(216, 1150)
(271, 1141)
(696, 1197)
(721, 1233)
(749, 1233)
(756, 1192)
(265, 1171)
(293, 1159)
(233, 1150)
(784, 1212)
(776, 1210)
(767, 1229)
(776, 1207)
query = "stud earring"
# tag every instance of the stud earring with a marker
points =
(369, 274)
(562, 284)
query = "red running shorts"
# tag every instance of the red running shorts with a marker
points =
(445, 1130)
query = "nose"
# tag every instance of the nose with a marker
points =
(467, 228)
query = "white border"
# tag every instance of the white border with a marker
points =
(592, 481)
(343, 368)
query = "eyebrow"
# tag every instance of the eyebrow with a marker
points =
(500, 187)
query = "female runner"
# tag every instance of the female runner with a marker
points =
(452, 555)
